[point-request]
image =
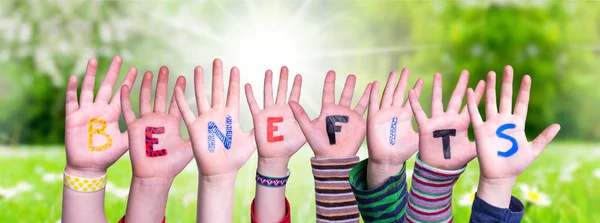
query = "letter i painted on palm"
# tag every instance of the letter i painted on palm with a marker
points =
(150, 152)
(393, 130)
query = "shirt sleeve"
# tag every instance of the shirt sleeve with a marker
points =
(484, 212)
(386, 203)
(285, 219)
(334, 198)
(430, 197)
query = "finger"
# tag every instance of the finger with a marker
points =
(401, 88)
(417, 110)
(71, 104)
(437, 106)
(329, 89)
(145, 94)
(459, 92)
(128, 113)
(282, 88)
(173, 108)
(363, 102)
(217, 84)
(523, 97)
(233, 93)
(348, 92)
(540, 142)
(506, 91)
(106, 89)
(472, 108)
(184, 108)
(388, 91)
(296, 88)
(87, 89)
(418, 89)
(479, 90)
(129, 81)
(251, 100)
(160, 96)
(490, 96)
(268, 90)
(300, 116)
(374, 98)
(201, 100)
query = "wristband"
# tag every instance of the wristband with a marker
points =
(268, 181)
(82, 184)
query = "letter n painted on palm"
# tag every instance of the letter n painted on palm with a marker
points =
(226, 138)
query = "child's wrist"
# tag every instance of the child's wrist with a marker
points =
(219, 180)
(151, 182)
(273, 166)
(84, 172)
(378, 173)
(496, 192)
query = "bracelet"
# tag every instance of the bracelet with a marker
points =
(82, 184)
(268, 181)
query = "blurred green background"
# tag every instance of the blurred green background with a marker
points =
(42, 43)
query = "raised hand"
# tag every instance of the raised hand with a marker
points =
(92, 139)
(502, 147)
(338, 131)
(391, 139)
(444, 138)
(157, 149)
(220, 146)
(277, 133)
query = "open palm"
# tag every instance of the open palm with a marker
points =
(276, 131)
(347, 127)
(390, 135)
(102, 149)
(214, 156)
(449, 126)
(502, 147)
(168, 153)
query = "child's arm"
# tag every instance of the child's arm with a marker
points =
(379, 182)
(335, 137)
(93, 142)
(220, 146)
(157, 151)
(502, 149)
(444, 151)
(278, 138)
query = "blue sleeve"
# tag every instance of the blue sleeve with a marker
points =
(484, 212)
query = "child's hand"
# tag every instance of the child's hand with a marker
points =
(156, 147)
(503, 150)
(220, 146)
(92, 139)
(444, 139)
(391, 139)
(277, 134)
(338, 131)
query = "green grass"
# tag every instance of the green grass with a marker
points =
(574, 201)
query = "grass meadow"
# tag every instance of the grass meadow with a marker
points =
(565, 180)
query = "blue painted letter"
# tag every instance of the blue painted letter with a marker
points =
(214, 130)
(393, 130)
(515, 147)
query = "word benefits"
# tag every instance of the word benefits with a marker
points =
(332, 128)
(515, 147)
(98, 131)
(445, 135)
(226, 138)
(271, 128)
(393, 130)
(150, 152)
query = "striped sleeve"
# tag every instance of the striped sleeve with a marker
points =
(334, 198)
(386, 203)
(430, 197)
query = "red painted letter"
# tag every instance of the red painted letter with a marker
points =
(271, 128)
(150, 152)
